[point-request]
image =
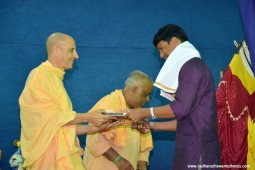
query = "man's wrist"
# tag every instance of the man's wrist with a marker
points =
(152, 125)
(146, 112)
(152, 113)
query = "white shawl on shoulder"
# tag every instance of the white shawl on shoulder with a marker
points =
(167, 79)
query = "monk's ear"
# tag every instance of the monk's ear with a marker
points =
(134, 89)
(53, 50)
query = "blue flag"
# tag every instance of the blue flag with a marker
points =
(247, 11)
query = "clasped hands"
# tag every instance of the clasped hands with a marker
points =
(105, 122)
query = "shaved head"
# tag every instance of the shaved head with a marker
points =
(138, 77)
(137, 89)
(61, 50)
(56, 39)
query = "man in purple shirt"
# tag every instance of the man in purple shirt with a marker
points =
(187, 81)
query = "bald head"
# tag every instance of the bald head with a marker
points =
(138, 77)
(57, 39)
(61, 50)
(138, 87)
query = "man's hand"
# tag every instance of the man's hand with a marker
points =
(142, 126)
(97, 118)
(135, 115)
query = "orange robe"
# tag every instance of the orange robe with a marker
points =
(45, 108)
(129, 143)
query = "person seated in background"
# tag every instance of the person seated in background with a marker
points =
(122, 147)
(48, 122)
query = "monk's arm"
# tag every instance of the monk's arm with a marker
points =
(84, 129)
(119, 161)
(111, 154)
(95, 117)
(79, 118)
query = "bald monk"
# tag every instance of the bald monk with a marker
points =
(48, 122)
(122, 147)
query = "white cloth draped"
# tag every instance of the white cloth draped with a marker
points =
(167, 79)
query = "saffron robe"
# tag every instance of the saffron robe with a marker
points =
(128, 142)
(195, 109)
(45, 108)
